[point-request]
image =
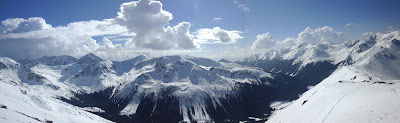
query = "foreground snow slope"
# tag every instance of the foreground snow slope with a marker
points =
(351, 100)
(367, 91)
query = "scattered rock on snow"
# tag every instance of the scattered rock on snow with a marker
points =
(3, 106)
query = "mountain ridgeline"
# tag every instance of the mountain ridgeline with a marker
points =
(312, 73)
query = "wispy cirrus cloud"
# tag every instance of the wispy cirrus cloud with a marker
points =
(217, 19)
(348, 24)
(241, 5)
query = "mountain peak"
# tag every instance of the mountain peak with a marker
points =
(89, 58)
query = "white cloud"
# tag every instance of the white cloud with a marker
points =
(83, 28)
(109, 48)
(216, 35)
(109, 45)
(348, 24)
(32, 38)
(367, 34)
(241, 6)
(263, 41)
(142, 24)
(18, 25)
(320, 35)
(217, 19)
(390, 29)
(147, 19)
(20, 48)
(180, 33)
(142, 20)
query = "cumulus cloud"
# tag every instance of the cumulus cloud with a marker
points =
(109, 45)
(33, 37)
(109, 48)
(147, 19)
(142, 21)
(21, 48)
(18, 25)
(217, 35)
(181, 35)
(320, 35)
(142, 26)
(263, 41)
(289, 41)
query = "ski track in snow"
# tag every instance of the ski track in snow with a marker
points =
(339, 101)
(333, 107)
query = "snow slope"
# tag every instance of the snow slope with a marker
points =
(25, 103)
(359, 100)
(366, 91)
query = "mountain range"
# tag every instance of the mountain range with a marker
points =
(262, 87)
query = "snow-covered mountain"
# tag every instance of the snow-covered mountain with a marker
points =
(185, 88)
(18, 72)
(28, 96)
(365, 91)
(308, 62)
(314, 62)
(146, 89)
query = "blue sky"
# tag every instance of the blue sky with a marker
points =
(282, 19)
